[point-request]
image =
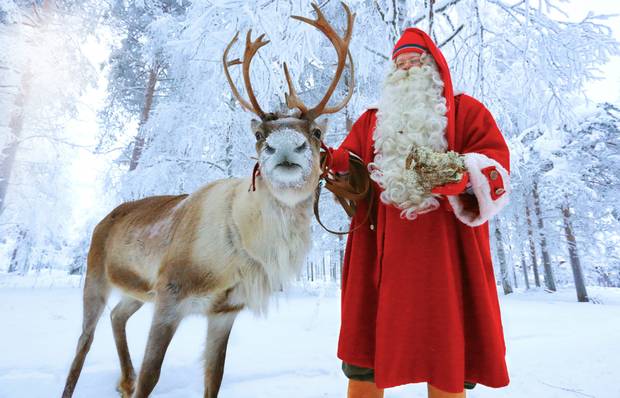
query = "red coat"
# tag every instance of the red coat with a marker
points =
(419, 298)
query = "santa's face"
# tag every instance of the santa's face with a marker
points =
(406, 61)
(411, 112)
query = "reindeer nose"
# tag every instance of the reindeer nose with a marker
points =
(286, 163)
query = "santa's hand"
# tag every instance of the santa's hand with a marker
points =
(340, 160)
(454, 188)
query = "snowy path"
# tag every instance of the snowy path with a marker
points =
(556, 348)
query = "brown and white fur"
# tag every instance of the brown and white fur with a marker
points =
(219, 249)
(214, 252)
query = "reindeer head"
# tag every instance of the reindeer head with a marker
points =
(288, 146)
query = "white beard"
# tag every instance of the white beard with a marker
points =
(412, 111)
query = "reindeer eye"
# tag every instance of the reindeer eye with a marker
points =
(316, 133)
(301, 148)
(258, 135)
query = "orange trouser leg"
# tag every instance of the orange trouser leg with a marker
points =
(364, 389)
(434, 392)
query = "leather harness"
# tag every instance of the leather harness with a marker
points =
(348, 188)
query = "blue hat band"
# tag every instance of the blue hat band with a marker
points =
(404, 46)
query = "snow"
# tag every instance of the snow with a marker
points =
(556, 347)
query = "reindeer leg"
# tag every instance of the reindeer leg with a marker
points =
(96, 291)
(119, 316)
(165, 322)
(218, 331)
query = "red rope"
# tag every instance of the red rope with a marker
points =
(255, 173)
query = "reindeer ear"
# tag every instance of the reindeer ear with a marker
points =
(255, 124)
(256, 128)
(322, 124)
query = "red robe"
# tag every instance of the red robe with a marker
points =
(419, 298)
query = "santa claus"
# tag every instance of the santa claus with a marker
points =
(419, 298)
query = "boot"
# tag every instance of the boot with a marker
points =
(364, 389)
(434, 392)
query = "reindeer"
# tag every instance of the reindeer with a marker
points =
(220, 249)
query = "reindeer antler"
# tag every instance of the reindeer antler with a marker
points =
(251, 47)
(341, 44)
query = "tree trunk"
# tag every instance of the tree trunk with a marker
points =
(480, 68)
(530, 234)
(603, 277)
(228, 149)
(525, 276)
(16, 124)
(228, 161)
(549, 278)
(13, 264)
(501, 256)
(21, 253)
(580, 286)
(138, 146)
(396, 20)
(431, 18)
(520, 241)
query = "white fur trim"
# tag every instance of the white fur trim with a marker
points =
(487, 207)
(355, 155)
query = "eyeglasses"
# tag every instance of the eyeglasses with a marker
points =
(409, 62)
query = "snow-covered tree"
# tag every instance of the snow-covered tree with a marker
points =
(526, 65)
(43, 77)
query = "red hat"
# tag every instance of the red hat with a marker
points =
(410, 42)
(416, 40)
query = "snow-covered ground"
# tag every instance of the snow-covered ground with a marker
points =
(556, 347)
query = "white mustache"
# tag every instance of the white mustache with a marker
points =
(428, 72)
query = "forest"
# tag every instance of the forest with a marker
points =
(106, 102)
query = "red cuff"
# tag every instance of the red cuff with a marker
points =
(495, 180)
(453, 188)
(340, 160)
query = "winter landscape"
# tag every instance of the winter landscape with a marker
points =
(556, 347)
(107, 102)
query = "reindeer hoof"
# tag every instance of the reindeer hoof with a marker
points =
(126, 387)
